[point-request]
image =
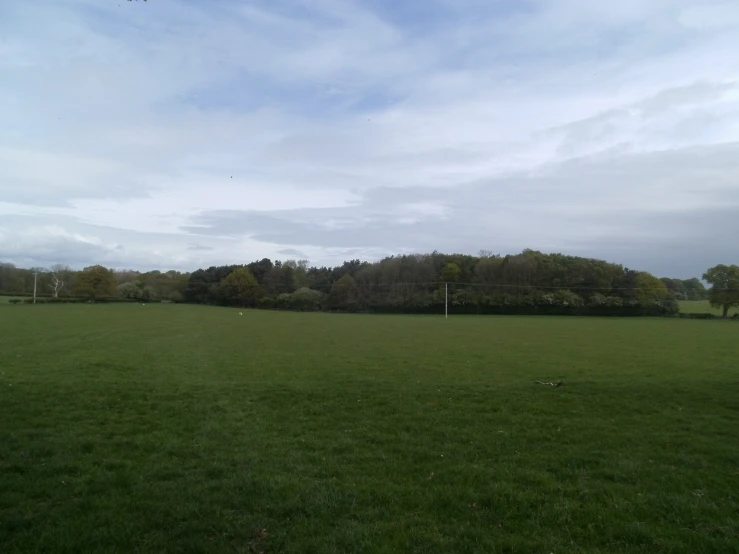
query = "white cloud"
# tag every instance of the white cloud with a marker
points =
(125, 123)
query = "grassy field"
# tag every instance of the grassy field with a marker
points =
(702, 307)
(166, 428)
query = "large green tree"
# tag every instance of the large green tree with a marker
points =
(306, 300)
(240, 287)
(136, 290)
(694, 289)
(649, 288)
(451, 272)
(724, 292)
(96, 282)
(344, 294)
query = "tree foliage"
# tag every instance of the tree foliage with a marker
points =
(344, 294)
(724, 292)
(686, 289)
(529, 282)
(650, 289)
(137, 290)
(451, 272)
(96, 282)
(239, 287)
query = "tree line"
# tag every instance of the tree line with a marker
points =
(527, 283)
(62, 283)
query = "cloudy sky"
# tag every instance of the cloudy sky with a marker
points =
(186, 133)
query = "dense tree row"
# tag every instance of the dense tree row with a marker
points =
(529, 282)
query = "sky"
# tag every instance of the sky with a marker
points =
(178, 134)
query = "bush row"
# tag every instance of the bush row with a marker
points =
(705, 316)
(599, 311)
(298, 302)
(107, 300)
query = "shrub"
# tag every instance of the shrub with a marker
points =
(284, 301)
(568, 298)
(176, 296)
(597, 299)
(696, 316)
(305, 299)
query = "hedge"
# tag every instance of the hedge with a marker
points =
(106, 300)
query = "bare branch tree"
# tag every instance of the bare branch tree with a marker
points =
(58, 274)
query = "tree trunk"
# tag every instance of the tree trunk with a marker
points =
(726, 311)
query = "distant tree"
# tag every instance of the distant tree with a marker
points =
(260, 269)
(149, 293)
(96, 282)
(676, 288)
(724, 292)
(597, 300)
(136, 290)
(351, 267)
(626, 285)
(240, 287)
(272, 281)
(284, 301)
(306, 300)
(300, 276)
(203, 286)
(59, 275)
(176, 296)
(8, 274)
(694, 289)
(130, 290)
(198, 287)
(344, 294)
(567, 298)
(126, 275)
(650, 289)
(451, 272)
(686, 289)
(319, 278)
(287, 277)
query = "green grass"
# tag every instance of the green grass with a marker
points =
(168, 428)
(702, 307)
